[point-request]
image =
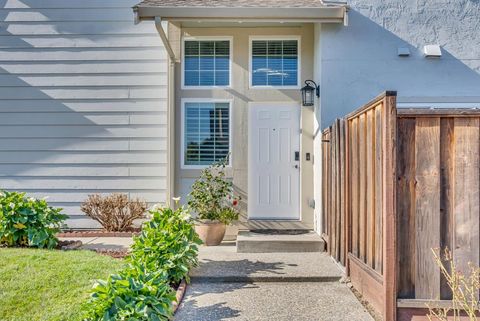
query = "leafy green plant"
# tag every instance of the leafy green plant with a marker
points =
(167, 242)
(136, 293)
(28, 221)
(212, 196)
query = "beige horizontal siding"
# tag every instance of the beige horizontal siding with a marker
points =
(82, 103)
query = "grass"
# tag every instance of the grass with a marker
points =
(49, 285)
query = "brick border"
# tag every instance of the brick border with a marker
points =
(96, 234)
(179, 295)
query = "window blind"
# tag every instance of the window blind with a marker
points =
(275, 63)
(206, 133)
(207, 63)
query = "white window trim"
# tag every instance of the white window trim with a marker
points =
(207, 38)
(266, 38)
(230, 132)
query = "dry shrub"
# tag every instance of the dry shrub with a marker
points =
(465, 286)
(114, 212)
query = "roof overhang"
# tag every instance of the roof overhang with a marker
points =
(326, 14)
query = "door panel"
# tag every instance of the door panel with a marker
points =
(273, 172)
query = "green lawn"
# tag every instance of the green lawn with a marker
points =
(48, 285)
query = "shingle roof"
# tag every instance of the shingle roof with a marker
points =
(233, 3)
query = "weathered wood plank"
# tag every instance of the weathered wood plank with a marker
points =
(378, 190)
(406, 207)
(446, 197)
(343, 227)
(338, 234)
(333, 216)
(389, 206)
(370, 188)
(427, 223)
(466, 192)
(354, 186)
(362, 132)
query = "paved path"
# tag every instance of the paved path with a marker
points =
(102, 243)
(269, 286)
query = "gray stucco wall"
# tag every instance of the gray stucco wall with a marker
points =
(82, 102)
(360, 61)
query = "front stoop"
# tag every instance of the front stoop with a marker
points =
(249, 242)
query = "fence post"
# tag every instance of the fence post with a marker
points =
(389, 207)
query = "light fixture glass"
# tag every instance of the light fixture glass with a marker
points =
(309, 91)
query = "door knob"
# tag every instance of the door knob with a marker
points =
(296, 166)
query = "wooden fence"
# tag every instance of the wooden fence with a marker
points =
(395, 185)
(360, 202)
(438, 193)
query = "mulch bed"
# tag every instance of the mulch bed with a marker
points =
(98, 233)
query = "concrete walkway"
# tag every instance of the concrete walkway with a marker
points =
(102, 243)
(268, 286)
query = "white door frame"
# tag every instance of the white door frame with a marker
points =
(251, 106)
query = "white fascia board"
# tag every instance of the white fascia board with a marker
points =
(325, 14)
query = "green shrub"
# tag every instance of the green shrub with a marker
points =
(161, 256)
(167, 242)
(212, 196)
(28, 221)
(133, 294)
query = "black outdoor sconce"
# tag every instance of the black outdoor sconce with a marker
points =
(309, 92)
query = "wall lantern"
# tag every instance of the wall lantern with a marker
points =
(309, 92)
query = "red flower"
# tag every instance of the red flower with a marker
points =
(235, 202)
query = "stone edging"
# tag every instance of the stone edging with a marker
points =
(179, 295)
(96, 234)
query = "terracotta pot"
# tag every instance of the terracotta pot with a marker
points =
(210, 232)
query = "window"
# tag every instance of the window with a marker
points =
(206, 63)
(206, 132)
(274, 63)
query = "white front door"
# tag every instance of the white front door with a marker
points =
(273, 166)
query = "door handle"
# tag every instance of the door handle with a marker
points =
(296, 166)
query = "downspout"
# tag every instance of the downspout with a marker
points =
(170, 111)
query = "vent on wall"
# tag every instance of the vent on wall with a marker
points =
(432, 51)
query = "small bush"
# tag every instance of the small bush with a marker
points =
(167, 242)
(115, 212)
(212, 196)
(28, 221)
(133, 294)
(464, 286)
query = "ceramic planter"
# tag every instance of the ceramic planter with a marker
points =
(210, 232)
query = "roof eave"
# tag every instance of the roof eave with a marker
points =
(318, 14)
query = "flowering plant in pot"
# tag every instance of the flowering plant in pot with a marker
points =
(214, 202)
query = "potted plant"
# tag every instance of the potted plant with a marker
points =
(213, 200)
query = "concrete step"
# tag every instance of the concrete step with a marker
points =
(223, 264)
(250, 242)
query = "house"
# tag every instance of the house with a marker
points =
(91, 102)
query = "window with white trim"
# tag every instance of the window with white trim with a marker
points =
(274, 63)
(206, 136)
(206, 63)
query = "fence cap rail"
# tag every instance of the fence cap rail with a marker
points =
(371, 103)
(440, 112)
